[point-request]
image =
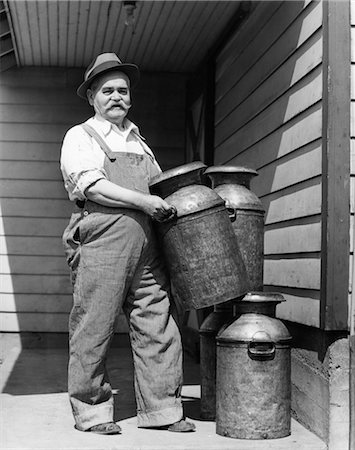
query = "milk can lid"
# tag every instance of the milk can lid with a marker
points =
(258, 297)
(231, 169)
(248, 326)
(177, 171)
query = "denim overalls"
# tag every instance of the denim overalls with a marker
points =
(116, 264)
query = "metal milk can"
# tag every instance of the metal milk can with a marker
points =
(221, 315)
(253, 397)
(232, 183)
(199, 244)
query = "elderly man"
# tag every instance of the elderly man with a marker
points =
(114, 260)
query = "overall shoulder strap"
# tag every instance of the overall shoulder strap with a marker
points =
(95, 135)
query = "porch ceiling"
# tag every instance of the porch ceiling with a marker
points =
(171, 36)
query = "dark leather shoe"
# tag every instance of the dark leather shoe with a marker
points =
(106, 428)
(181, 427)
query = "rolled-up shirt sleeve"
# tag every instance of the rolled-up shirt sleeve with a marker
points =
(80, 165)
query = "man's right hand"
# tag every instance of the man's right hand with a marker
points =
(158, 209)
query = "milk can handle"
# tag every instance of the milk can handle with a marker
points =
(172, 216)
(261, 346)
(232, 214)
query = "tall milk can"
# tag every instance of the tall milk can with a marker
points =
(201, 250)
(232, 183)
(253, 398)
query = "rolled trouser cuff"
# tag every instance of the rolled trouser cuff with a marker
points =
(160, 418)
(93, 415)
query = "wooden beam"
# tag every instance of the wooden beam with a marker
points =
(336, 166)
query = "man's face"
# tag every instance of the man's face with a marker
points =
(110, 96)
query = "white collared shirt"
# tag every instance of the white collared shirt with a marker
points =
(82, 159)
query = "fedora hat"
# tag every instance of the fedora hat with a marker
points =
(104, 63)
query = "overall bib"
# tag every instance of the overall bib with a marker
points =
(115, 263)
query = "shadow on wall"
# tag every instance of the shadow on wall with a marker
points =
(269, 117)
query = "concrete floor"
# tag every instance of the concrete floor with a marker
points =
(35, 413)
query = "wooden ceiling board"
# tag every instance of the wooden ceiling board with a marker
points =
(52, 9)
(169, 35)
(162, 19)
(189, 38)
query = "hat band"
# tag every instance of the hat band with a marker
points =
(102, 67)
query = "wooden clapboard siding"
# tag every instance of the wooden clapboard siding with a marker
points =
(37, 106)
(269, 116)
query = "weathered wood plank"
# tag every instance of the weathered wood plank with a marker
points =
(43, 114)
(36, 284)
(33, 132)
(300, 310)
(30, 170)
(28, 151)
(55, 303)
(297, 273)
(36, 245)
(301, 238)
(352, 194)
(303, 202)
(32, 189)
(336, 199)
(34, 96)
(352, 48)
(294, 168)
(302, 130)
(32, 265)
(254, 89)
(36, 207)
(28, 226)
(298, 99)
(44, 322)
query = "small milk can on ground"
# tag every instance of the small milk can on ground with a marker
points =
(199, 244)
(232, 183)
(253, 394)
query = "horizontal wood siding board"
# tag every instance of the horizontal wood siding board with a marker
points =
(269, 36)
(24, 263)
(299, 273)
(29, 151)
(44, 322)
(298, 99)
(47, 208)
(32, 189)
(294, 168)
(36, 284)
(300, 131)
(293, 239)
(259, 90)
(58, 303)
(22, 245)
(299, 310)
(292, 203)
(59, 114)
(29, 226)
(30, 170)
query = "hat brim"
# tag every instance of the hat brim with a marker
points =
(131, 70)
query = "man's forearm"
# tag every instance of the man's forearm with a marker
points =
(109, 194)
